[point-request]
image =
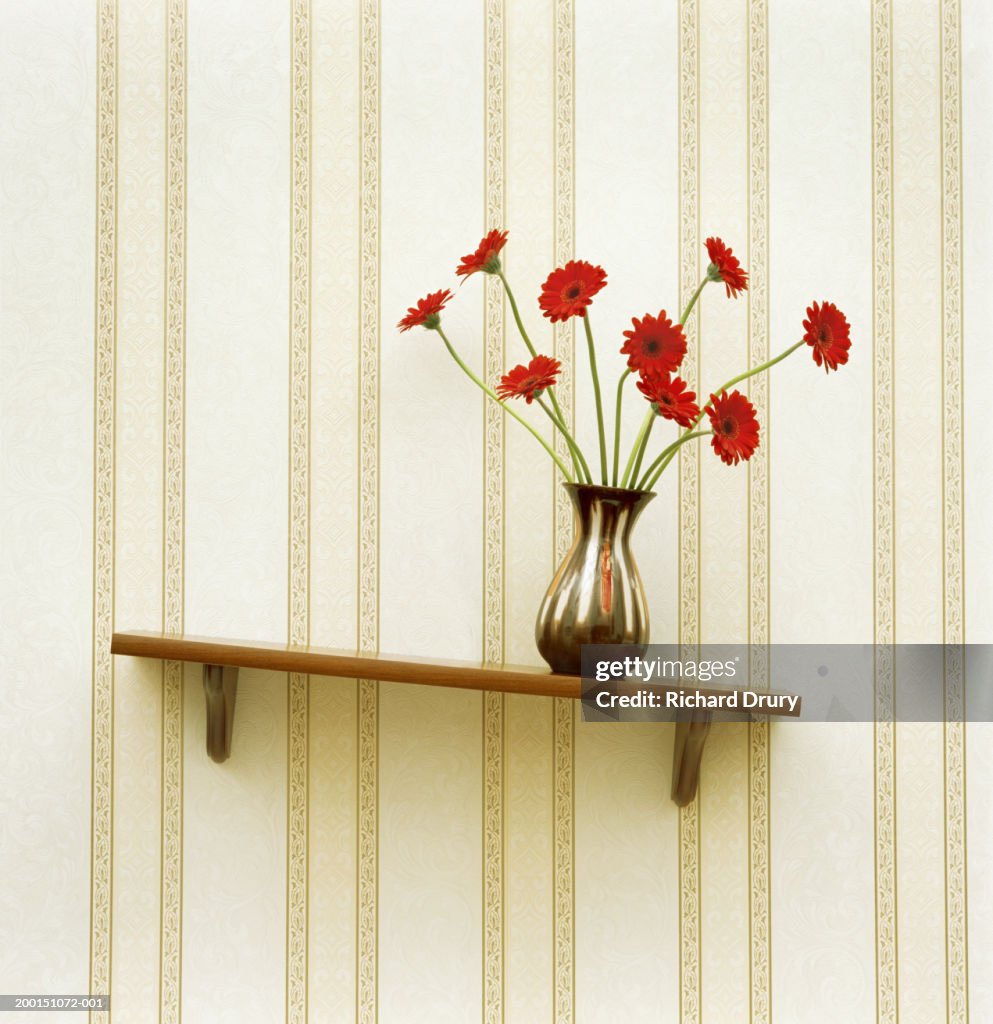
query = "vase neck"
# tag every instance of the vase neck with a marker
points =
(606, 511)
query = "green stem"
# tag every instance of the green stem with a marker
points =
(739, 379)
(517, 314)
(648, 480)
(510, 412)
(582, 469)
(692, 302)
(617, 424)
(596, 395)
(527, 341)
(643, 449)
(646, 425)
(751, 373)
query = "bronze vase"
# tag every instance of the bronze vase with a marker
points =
(596, 596)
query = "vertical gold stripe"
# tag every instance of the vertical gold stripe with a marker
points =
(101, 826)
(760, 935)
(494, 774)
(493, 533)
(493, 332)
(564, 789)
(759, 903)
(367, 969)
(298, 685)
(564, 797)
(564, 243)
(953, 529)
(689, 913)
(884, 731)
(689, 261)
(171, 926)
(689, 492)
(367, 894)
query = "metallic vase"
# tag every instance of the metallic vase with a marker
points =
(596, 596)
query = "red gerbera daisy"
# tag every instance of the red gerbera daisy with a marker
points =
(736, 430)
(670, 398)
(655, 346)
(724, 266)
(569, 290)
(486, 257)
(426, 312)
(528, 382)
(827, 334)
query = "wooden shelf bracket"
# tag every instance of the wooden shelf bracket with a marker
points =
(687, 752)
(220, 687)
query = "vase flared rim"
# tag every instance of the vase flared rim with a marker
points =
(608, 492)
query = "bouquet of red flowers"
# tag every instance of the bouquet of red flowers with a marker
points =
(654, 348)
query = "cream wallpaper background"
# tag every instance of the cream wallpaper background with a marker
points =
(213, 215)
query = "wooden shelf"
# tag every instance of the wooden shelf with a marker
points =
(326, 661)
(221, 658)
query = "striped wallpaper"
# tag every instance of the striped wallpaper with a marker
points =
(213, 216)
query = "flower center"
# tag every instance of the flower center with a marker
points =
(652, 346)
(666, 399)
(573, 292)
(824, 334)
(729, 426)
(530, 383)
